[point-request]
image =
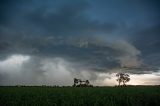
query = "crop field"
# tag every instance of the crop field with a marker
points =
(80, 96)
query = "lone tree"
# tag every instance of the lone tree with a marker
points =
(122, 78)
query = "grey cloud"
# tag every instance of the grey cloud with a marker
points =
(147, 40)
(64, 39)
(68, 20)
(87, 52)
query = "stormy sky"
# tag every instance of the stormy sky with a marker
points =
(50, 42)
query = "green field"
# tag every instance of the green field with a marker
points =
(68, 96)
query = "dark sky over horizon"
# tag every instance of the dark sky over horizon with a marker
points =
(53, 41)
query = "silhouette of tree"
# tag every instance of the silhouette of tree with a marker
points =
(87, 82)
(81, 83)
(122, 78)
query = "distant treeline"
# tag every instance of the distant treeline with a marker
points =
(57, 86)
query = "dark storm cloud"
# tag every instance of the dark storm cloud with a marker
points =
(42, 30)
(66, 37)
(4, 8)
(148, 40)
(68, 20)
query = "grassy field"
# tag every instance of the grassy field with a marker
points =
(68, 96)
